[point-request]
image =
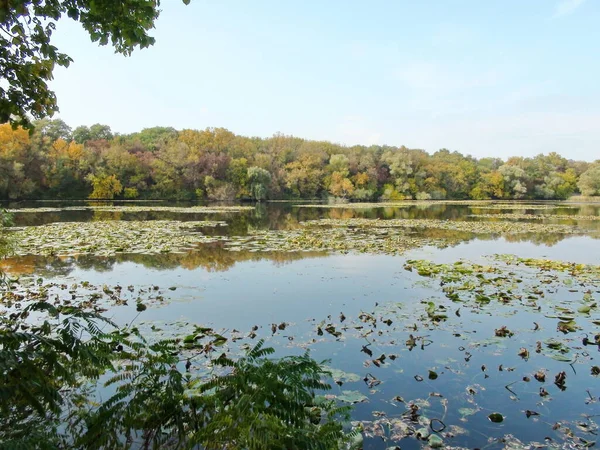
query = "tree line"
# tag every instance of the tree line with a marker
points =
(55, 161)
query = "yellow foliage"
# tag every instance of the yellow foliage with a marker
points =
(361, 179)
(340, 186)
(12, 142)
(105, 186)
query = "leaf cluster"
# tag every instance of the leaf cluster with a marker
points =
(28, 57)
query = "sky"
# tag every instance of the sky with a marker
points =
(487, 78)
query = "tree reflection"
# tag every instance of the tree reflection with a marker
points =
(210, 257)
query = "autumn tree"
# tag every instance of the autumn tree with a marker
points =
(16, 160)
(105, 186)
(589, 182)
(216, 164)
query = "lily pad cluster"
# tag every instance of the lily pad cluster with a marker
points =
(83, 294)
(141, 208)
(516, 216)
(504, 228)
(109, 238)
(340, 240)
(496, 204)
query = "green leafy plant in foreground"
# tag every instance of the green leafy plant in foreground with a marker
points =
(44, 371)
(6, 243)
(50, 368)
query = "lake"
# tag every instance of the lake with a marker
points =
(448, 318)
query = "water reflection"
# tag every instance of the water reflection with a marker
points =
(211, 258)
(284, 216)
(287, 216)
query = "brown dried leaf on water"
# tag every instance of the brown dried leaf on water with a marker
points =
(560, 379)
(366, 350)
(373, 429)
(379, 361)
(367, 318)
(371, 381)
(473, 390)
(540, 375)
(530, 413)
(399, 429)
(330, 328)
(524, 353)
(595, 370)
(282, 326)
(543, 392)
(411, 342)
(503, 331)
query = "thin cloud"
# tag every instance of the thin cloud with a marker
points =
(447, 79)
(354, 130)
(565, 7)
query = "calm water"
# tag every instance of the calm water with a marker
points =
(238, 290)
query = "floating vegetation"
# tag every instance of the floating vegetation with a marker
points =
(141, 208)
(587, 273)
(439, 355)
(454, 225)
(524, 206)
(341, 240)
(92, 297)
(534, 216)
(109, 238)
(407, 203)
(394, 236)
(484, 376)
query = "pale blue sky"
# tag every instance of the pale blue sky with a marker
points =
(485, 77)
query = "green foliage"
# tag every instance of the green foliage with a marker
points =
(271, 404)
(52, 358)
(5, 219)
(43, 370)
(589, 182)
(259, 180)
(105, 186)
(53, 129)
(215, 164)
(28, 57)
(130, 193)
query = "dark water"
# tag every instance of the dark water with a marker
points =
(238, 290)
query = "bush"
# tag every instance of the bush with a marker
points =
(49, 373)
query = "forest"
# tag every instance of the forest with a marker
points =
(54, 161)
